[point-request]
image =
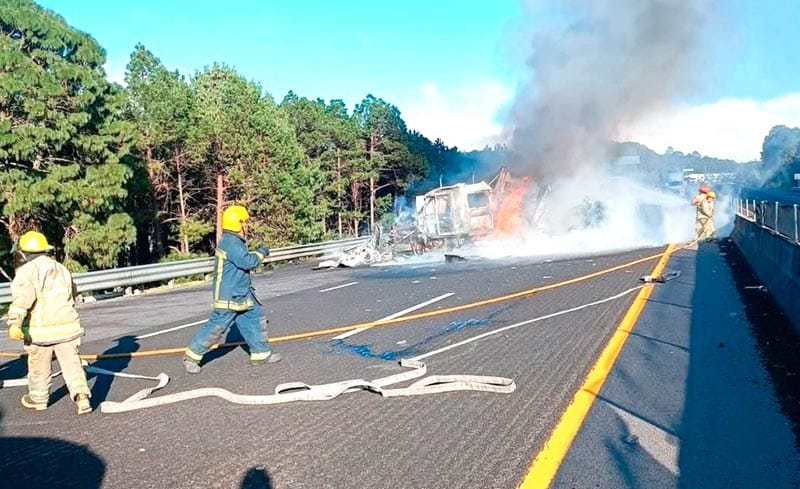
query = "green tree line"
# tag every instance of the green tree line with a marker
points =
(119, 175)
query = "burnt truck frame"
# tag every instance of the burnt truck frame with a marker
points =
(454, 214)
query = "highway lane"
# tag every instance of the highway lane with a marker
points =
(358, 440)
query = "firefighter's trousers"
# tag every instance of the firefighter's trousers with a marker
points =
(249, 325)
(704, 228)
(40, 359)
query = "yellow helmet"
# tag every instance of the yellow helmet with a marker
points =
(33, 242)
(233, 217)
(711, 194)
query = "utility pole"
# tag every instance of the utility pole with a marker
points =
(371, 203)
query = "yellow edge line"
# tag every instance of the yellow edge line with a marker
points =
(546, 464)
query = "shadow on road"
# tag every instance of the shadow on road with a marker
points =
(778, 342)
(14, 369)
(256, 478)
(743, 354)
(102, 386)
(34, 463)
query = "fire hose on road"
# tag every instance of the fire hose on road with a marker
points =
(296, 391)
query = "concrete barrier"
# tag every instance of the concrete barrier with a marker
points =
(776, 262)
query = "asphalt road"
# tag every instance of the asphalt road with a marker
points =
(358, 440)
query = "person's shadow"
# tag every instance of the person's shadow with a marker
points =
(37, 462)
(102, 386)
(256, 478)
(14, 369)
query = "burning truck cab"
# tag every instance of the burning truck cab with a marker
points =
(454, 214)
(446, 217)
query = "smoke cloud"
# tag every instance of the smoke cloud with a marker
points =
(597, 67)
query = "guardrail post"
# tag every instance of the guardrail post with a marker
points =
(776, 218)
(796, 240)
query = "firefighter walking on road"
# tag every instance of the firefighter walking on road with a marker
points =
(704, 223)
(42, 314)
(235, 300)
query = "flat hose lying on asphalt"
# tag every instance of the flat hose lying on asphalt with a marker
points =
(298, 391)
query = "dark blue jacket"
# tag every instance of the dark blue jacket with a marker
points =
(232, 287)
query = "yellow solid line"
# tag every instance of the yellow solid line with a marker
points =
(546, 464)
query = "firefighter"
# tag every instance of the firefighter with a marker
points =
(42, 314)
(704, 224)
(235, 300)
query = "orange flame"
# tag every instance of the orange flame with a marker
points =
(508, 210)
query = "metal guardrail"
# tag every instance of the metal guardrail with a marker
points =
(142, 274)
(778, 218)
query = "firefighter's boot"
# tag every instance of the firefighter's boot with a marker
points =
(191, 366)
(31, 404)
(262, 358)
(82, 402)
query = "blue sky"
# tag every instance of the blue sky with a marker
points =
(450, 66)
(329, 49)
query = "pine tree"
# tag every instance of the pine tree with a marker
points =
(61, 138)
(160, 104)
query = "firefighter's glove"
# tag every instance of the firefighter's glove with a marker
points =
(263, 250)
(15, 332)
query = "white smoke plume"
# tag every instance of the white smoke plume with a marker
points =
(591, 213)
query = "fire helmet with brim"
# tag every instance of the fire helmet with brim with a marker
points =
(711, 194)
(233, 217)
(33, 242)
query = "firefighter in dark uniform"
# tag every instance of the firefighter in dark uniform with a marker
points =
(234, 297)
